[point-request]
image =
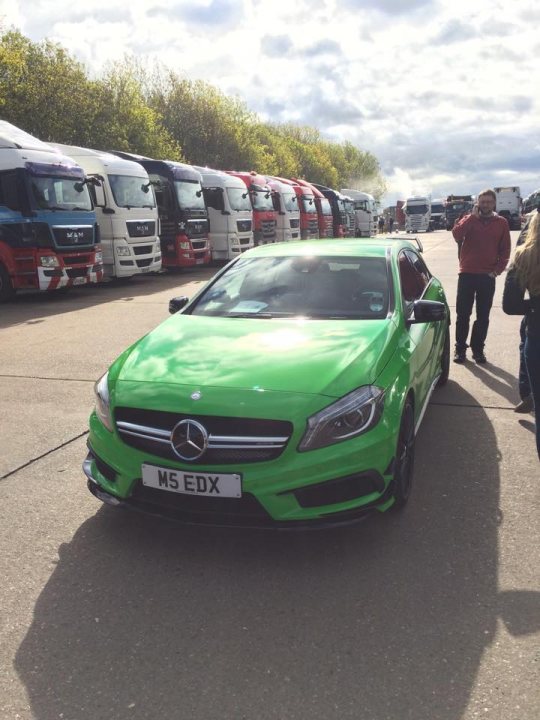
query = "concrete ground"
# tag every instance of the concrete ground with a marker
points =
(433, 614)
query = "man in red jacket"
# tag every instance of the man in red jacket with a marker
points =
(484, 244)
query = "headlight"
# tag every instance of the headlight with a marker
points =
(185, 245)
(123, 250)
(48, 261)
(352, 415)
(99, 257)
(103, 411)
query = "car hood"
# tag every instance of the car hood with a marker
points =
(316, 357)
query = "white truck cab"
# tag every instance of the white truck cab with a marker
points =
(230, 215)
(285, 202)
(126, 211)
(417, 211)
(509, 205)
(365, 223)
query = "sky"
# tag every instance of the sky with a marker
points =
(440, 92)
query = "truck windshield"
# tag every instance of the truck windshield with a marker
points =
(308, 204)
(325, 206)
(416, 209)
(58, 193)
(438, 209)
(239, 199)
(289, 201)
(132, 191)
(262, 200)
(189, 194)
(361, 205)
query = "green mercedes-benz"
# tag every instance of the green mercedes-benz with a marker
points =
(286, 393)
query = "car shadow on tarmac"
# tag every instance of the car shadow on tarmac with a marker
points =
(30, 307)
(385, 620)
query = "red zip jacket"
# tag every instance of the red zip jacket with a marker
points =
(484, 244)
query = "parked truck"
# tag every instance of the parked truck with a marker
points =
(309, 222)
(126, 211)
(183, 216)
(531, 202)
(365, 224)
(230, 215)
(285, 203)
(264, 215)
(417, 211)
(438, 219)
(455, 207)
(324, 210)
(339, 216)
(49, 237)
(509, 205)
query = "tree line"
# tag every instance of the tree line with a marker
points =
(47, 92)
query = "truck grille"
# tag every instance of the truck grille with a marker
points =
(295, 222)
(230, 440)
(142, 249)
(144, 263)
(141, 228)
(196, 228)
(65, 236)
(243, 225)
(268, 228)
(76, 272)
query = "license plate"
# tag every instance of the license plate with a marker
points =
(199, 261)
(79, 281)
(193, 482)
(145, 269)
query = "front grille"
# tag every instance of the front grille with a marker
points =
(76, 272)
(227, 511)
(198, 244)
(313, 226)
(245, 240)
(65, 236)
(295, 222)
(243, 225)
(230, 441)
(197, 228)
(144, 263)
(141, 228)
(268, 228)
(142, 249)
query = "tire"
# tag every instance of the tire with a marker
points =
(404, 462)
(6, 287)
(445, 360)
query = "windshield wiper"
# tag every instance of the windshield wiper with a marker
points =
(265, 315)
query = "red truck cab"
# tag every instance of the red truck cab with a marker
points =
(264, 215)
(324, 210)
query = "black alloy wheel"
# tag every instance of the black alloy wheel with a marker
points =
(404, 463)
(445, 360)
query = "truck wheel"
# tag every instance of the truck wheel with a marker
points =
(7, 290)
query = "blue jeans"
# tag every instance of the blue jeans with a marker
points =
(523, 380)
(532, 360)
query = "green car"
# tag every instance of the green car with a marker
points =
(286, 393)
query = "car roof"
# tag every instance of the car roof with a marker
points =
(354, 247)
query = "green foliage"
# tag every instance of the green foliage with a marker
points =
(48, 93)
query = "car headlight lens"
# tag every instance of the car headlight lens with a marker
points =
(103, 410)
(351, 415)
(123, 250)
(48, 261)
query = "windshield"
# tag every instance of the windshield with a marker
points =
(290, 204)
(132, 191)
(361, 205)
(308, 204)
(416, 209)
(439, 208)
(189, 194)
(239, 199)
(262, 200)
(312, 287)
(57, 193)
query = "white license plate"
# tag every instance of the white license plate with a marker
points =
(193, 482)
(79, 281)
(199, 261)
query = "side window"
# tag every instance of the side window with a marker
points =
(213, 197)
(9, 197)
(413, 282)
(419, 265)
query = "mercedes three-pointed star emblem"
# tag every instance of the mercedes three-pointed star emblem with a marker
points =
(189, 440)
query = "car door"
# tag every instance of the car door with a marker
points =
(414, 279)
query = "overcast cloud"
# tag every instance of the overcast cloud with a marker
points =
(442, 93)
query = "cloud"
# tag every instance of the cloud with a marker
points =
(214, 13)
(391, 7)
(323, 47)
(276, 46)
(455, 31)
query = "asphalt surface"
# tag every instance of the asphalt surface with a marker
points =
(433, 614)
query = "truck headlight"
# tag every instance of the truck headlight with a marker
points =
(351, 415)
(185, 245)
(123, 250)
(48, 261)
(103, 409)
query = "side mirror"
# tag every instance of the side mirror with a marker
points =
(427, 311)
(177, 303)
